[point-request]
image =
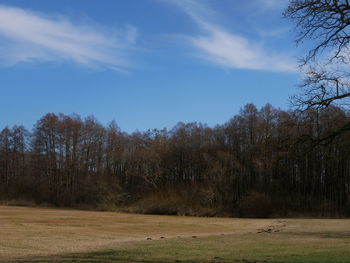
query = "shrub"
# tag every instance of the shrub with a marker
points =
(183, 201)
(256, 205)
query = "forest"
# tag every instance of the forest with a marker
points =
(262, 162)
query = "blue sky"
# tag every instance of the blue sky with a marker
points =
(144, 63)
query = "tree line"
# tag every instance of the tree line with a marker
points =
(261, 162)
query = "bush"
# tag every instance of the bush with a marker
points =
(257, 205)
(177, 201)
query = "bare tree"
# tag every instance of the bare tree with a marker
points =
(326, 23)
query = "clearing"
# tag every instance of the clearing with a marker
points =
(58, 235)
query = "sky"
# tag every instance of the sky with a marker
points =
(144, 63)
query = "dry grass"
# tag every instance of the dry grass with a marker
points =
(31, 232)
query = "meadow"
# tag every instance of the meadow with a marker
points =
(60, 235)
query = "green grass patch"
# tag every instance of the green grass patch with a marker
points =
(247, 248)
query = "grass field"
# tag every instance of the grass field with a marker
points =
(56, 235)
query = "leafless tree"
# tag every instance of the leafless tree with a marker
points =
(326, 23)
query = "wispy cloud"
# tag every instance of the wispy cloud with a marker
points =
(217, 45)
(26, 36)
(233, 51)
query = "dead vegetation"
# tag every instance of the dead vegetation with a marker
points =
(32, 232)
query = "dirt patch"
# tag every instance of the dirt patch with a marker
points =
(276, 227)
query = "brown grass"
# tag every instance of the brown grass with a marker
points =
(28, 232)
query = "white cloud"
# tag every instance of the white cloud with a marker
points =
(26, 37)
(230, 50)
(233, 51)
